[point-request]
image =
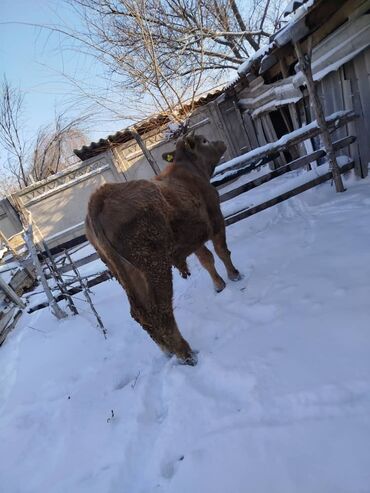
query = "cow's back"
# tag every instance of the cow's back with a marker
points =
(133, 216)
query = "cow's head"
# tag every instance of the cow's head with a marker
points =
(200, 150)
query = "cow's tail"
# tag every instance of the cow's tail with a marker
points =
(96, 235)
(132, 278)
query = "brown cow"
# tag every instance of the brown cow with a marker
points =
(142, 228)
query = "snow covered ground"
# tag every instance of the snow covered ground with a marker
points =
(280, 398)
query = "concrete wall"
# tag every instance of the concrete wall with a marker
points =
(9, 222)
(59, 204)
(205, 120)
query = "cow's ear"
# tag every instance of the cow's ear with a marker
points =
(168, 156)
(190, 140)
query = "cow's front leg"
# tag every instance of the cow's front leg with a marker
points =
(208, 262)
(183, 268)
(220, 245)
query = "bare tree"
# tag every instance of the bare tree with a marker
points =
(8, 185)
(11, 109)
(168, 51)
(54, 144)
(34, 159)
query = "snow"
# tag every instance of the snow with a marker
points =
(8, 271)
(229, 167)
(280, 38)
(338, 49)
(281, 185)
(279, 400)
(299, 80)
(276, 95)
(244, 68)
(294, 5)
(273, 105)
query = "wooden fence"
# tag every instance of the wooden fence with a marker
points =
(233, 169)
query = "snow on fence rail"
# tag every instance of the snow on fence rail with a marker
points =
(305, 182)
(293, 165)
(309, 180)
(257, 157)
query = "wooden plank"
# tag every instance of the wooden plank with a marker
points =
(243, 214)
(78, 263)
(360, 123)
(8, 322)
(67, 245)
(269, 131)
(216, 182)
(363, 80)
(272, 174)
(104, 276)
(250, 129)
(297, 163)
(148, 155)
(331, 95)
(261, 137)
(11, 293)
(285, 142)
(222, 120)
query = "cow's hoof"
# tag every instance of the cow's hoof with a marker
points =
(220, 286)
(235, 276)
(191, 360)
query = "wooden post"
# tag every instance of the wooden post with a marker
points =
(85, 289)
(117, 160)
(8, 245)
(56, 274)
(146, 152)
(28, 238)
(305, 66)
(11, 293)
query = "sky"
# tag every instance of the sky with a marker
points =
(42, 63)
(37, 61)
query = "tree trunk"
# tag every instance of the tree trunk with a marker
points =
(242, 25)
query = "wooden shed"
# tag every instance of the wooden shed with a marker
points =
(270, 91)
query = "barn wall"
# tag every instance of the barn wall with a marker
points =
(341, 65)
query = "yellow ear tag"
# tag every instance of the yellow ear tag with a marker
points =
(169, 158)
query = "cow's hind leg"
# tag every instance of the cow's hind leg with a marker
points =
(157, 318)
(208, 262)
(220, 245)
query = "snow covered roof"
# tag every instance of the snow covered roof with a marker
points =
(294, 5)
(294, 30)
